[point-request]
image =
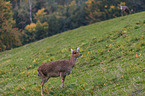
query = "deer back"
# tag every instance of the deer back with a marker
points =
(54, 68)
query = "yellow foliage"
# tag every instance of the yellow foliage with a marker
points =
(23, 72)
(34, 61)
(41, 11)
(38, 23)
(7, 61)
(31, 27)
(72, 3)
(44, 25)
(7, 3)
(138, 55)
(112, 7)
(89, 2)
(93, 11)
(122, 3)
(40, 14)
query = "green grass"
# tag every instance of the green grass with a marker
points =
(112, 62)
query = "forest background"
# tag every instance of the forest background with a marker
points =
(25, 21)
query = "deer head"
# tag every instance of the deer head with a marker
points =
(76, 52)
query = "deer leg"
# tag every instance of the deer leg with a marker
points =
(122, 13)
(126, 12)
(42, 84)
(42, 88)
(62, 75)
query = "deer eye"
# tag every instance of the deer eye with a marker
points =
(75, 52)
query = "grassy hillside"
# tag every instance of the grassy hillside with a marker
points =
(112, 62)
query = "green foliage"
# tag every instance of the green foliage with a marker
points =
(137, 6)
(21, 13)
(112, 63)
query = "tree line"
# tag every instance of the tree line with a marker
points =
(25, 21)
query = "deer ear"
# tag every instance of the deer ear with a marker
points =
(71, 51)
(78, 48)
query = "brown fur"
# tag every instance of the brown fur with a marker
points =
(57, 68)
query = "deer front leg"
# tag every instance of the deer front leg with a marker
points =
(62, 75)
(42, 83)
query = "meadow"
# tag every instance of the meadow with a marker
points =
(112, 63)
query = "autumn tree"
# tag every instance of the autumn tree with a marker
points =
(98, 10)
(38, 30)
(74, 15)
(9, 35)
(93, 10)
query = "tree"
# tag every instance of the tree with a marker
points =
(22, 14)
(9, 36)
(93, 10)
(136, 5)
(98, 10)
(38, 30)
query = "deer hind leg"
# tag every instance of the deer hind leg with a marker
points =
(44, 80)
(62, 75)
(122, 12)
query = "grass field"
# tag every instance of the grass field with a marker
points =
(113, 61)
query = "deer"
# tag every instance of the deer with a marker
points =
(60, 68)
(125, 9)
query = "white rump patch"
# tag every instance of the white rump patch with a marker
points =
(121, 7)
(71, 51)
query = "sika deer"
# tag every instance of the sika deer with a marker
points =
(125, 9)
(57, 68)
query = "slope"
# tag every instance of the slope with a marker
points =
(112, 62)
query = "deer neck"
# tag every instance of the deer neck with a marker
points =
(73, 60)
